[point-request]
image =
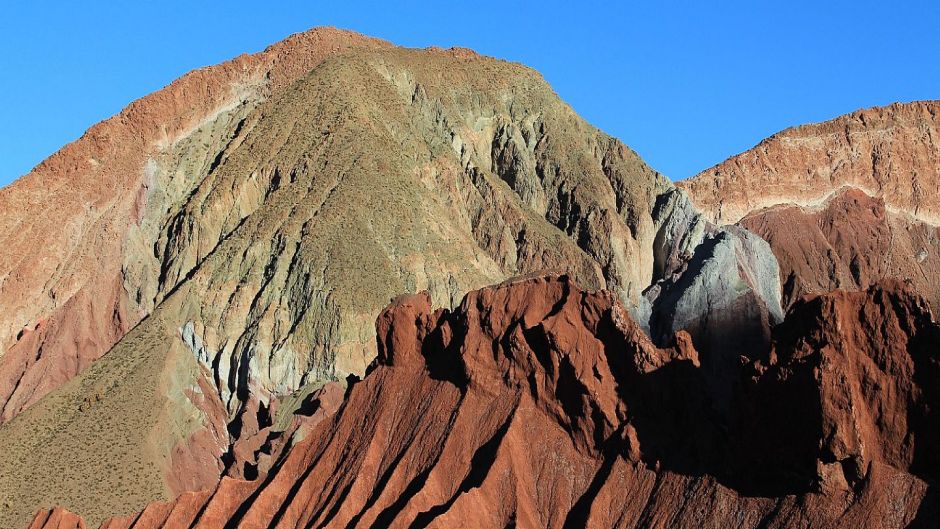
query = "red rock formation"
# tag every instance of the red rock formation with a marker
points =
(535, 404)
(850, 242)
(890, 151)
(850, 384)
(57, 518)
(844, 203)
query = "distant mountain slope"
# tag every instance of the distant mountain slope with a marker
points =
(843, 203)
(850, 242)
(253, 242)
(892, 152)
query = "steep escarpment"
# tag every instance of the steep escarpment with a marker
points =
(866, 364)
(843, 203)
(537, 404)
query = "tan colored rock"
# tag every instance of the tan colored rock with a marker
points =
(176, 174)
(87, 203)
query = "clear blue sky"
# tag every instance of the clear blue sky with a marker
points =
(685, 85)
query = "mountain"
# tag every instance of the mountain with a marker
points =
(214, 257)
(195, 340)
(98, 206)
(538, 404)
(843, 203)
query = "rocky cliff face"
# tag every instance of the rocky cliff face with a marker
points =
(866, 364)
(252, 218)
(537, 404)
(843, 203)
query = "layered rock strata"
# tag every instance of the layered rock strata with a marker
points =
(891, 152)
(844, 204)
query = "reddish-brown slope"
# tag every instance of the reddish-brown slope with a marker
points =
(535, 404)
(892, 152)
(844, 203)
(850, 242)
(65, 303)
(851, 384)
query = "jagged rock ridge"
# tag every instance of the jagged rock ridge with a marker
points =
(537, 404)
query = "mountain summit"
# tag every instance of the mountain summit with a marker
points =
(196, 339)
(220, 249)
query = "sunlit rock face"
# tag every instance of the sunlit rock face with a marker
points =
(219, 251)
